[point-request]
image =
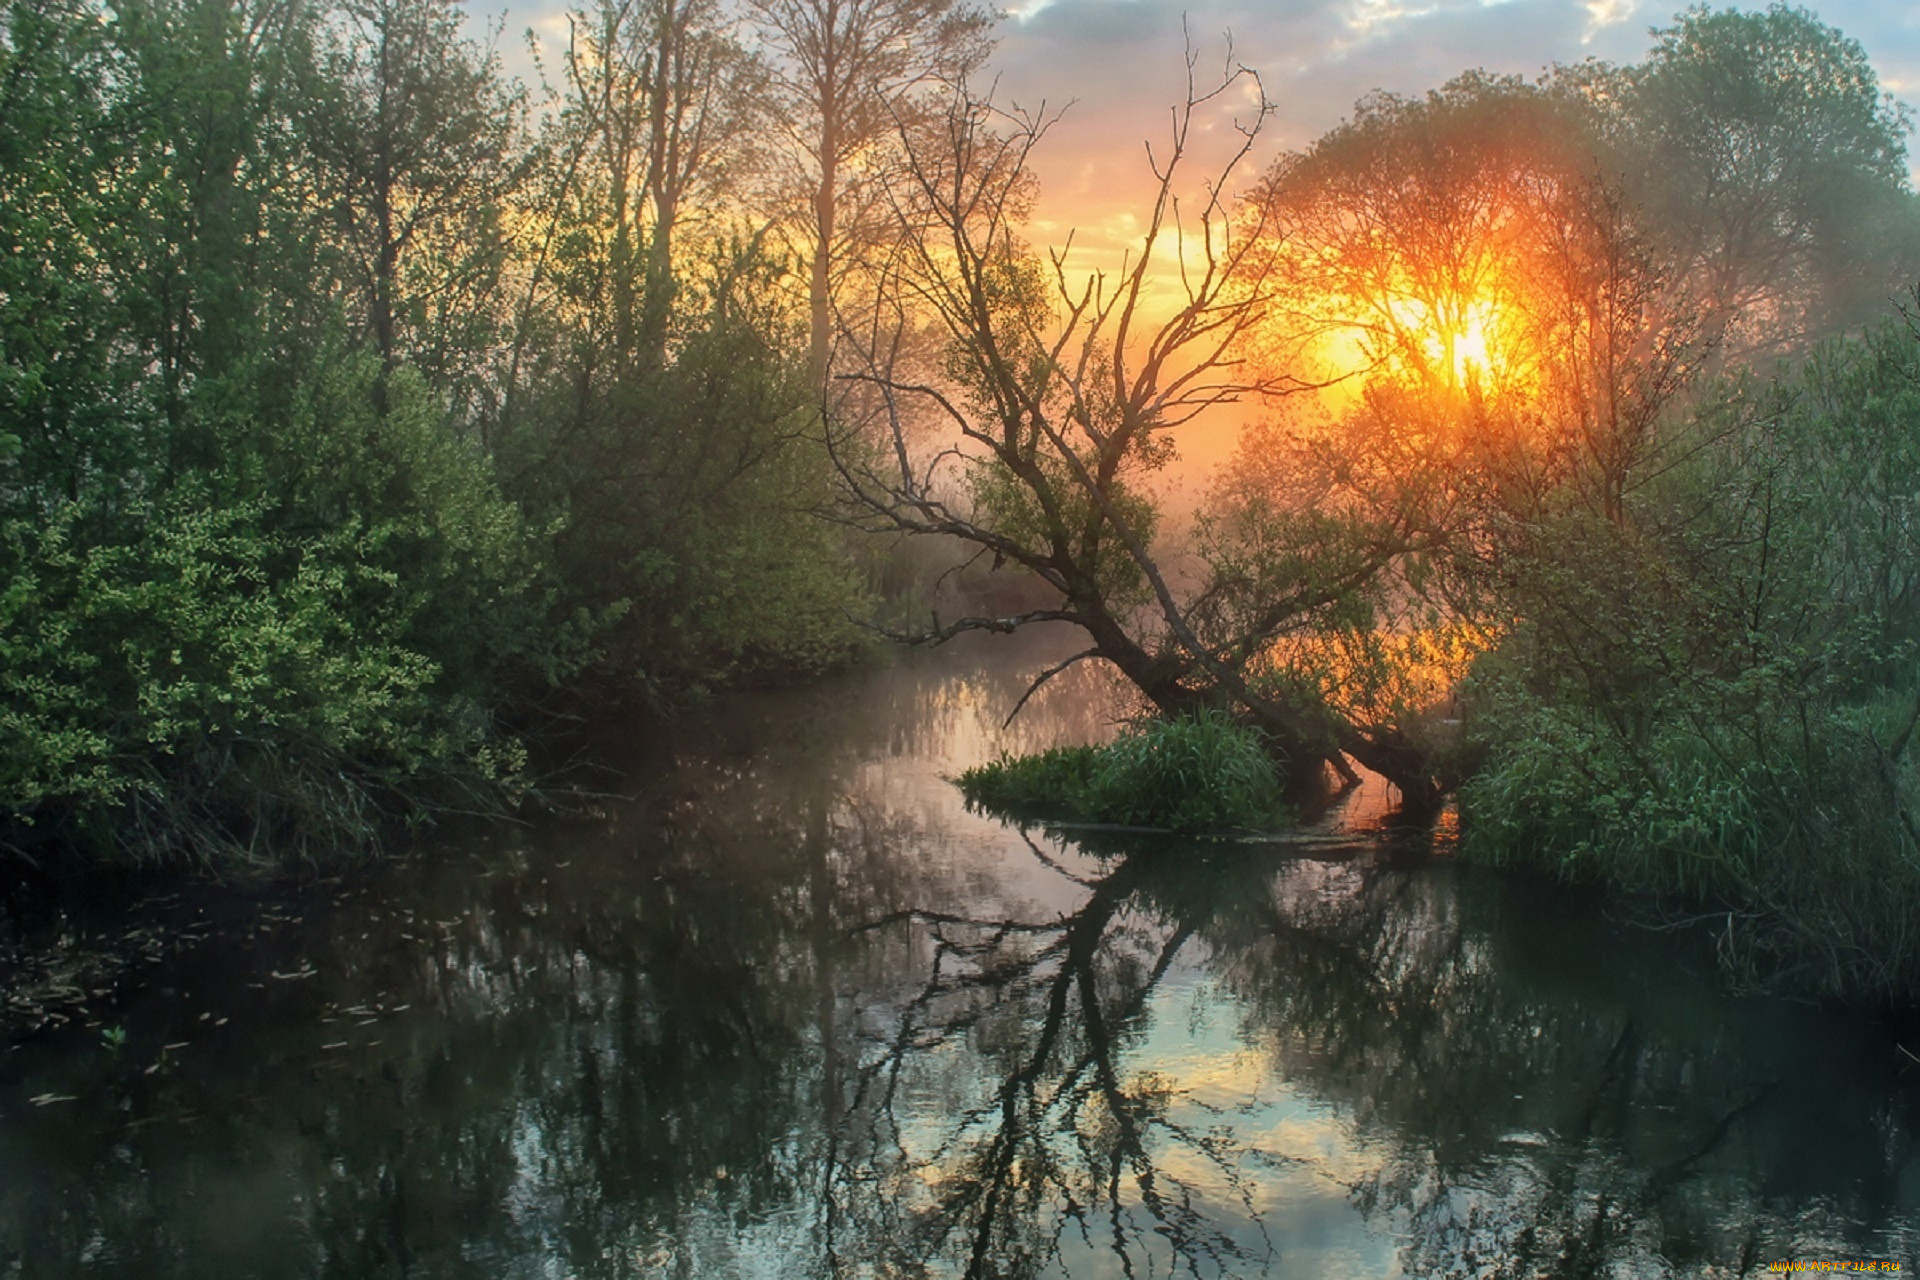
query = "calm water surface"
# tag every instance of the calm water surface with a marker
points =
(789, 1011)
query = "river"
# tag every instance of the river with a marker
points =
(777, 1005)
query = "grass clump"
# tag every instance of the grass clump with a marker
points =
(1050, 783)
(1202, 772)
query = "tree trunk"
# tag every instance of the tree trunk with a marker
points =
(819, 285)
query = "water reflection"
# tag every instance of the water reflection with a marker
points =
(1002, 1123)
(794, 1012)
(1490, 1081)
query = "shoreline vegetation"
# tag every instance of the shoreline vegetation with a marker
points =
(361, 420)
(1202, 773)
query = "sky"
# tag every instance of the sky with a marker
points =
(1116, 66)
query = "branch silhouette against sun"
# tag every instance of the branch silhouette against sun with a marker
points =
(1006, 400)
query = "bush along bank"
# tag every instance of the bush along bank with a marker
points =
(1714, 700)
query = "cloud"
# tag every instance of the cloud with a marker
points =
(1120, 64)
(1602, 14)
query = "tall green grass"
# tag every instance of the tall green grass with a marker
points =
(1197, 773)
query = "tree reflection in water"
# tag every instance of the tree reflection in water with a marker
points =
(794, 1013)
(1442, 1050)
(1066, 1137)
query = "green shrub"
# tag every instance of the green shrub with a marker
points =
(211, 690)
(1811, 875)
(684, 498)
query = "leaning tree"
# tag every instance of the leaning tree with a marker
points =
(1056, 394)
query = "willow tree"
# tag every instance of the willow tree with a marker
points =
(1473, 263)
(1062, 393)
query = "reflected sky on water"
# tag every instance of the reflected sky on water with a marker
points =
(781, 1007)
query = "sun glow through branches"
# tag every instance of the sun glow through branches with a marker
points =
(1443, 345)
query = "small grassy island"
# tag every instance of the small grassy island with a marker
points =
(1199, 773)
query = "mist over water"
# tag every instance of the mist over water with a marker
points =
(789, 1010)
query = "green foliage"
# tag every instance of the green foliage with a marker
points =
(1803, 838)
(472, 582)
(213, 689)
(64, 385)
(1716, 703)
(686, 497)
(1054, 783)
(1051, 513)
(1773, 168)
(413, 141)
(1202, 772)
(294, 504)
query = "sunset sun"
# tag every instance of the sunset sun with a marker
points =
(1441, 344)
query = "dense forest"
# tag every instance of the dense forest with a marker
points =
(363, 411)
